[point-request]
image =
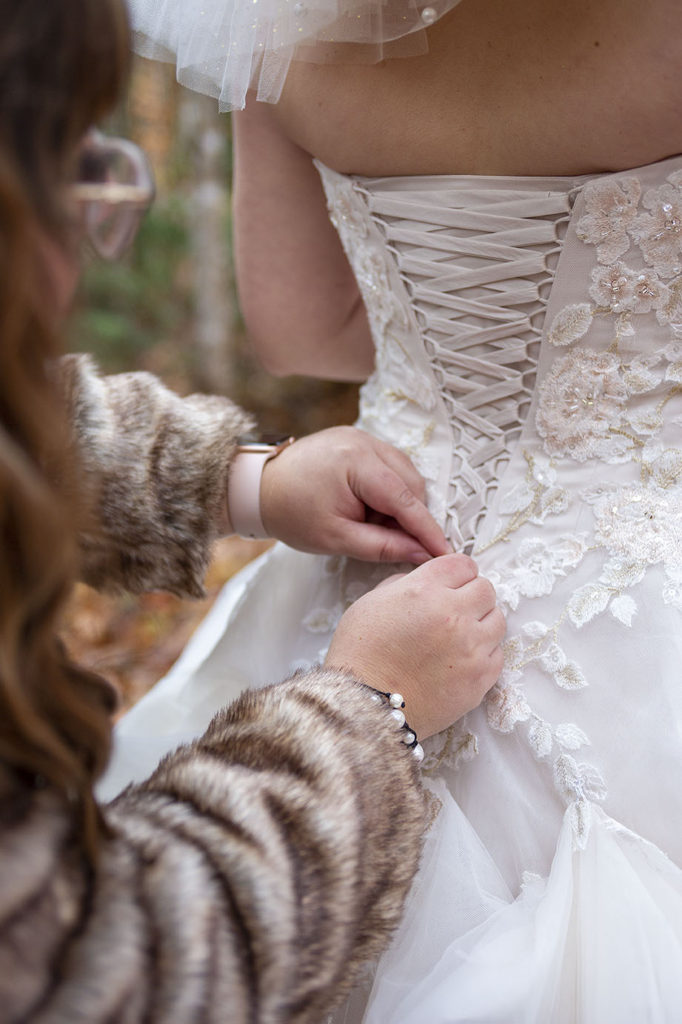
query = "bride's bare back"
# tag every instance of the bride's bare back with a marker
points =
(507, 87)
(510, 87)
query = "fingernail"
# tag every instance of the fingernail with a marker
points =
(419, 557)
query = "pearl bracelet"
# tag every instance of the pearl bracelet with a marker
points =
(397, 703)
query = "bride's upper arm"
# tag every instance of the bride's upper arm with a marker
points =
(298, 296)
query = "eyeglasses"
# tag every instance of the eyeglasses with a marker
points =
(114, 188)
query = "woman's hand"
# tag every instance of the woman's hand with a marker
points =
(341, 491)
(433, 635)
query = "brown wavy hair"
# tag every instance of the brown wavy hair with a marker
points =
(63, 64)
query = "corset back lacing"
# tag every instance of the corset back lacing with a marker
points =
(478, 264)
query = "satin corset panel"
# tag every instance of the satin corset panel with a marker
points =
(455, 273)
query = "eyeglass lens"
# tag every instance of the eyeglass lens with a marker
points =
(114, 189)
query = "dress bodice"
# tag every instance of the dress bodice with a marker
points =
(528, 339)
(455, 273)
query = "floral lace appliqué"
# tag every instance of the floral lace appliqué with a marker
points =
(659, 232)
(585, 409)
(536, 568)
(450, 749)
(610, 210)
(603, 416)
(582, 400)
(604, 399)
(507, 709)
(622, 289)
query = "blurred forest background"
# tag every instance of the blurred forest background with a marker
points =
(170, 307)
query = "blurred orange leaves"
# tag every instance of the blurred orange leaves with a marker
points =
(132, 640)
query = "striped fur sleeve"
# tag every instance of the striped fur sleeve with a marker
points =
(246, 881)
(154, 469)
(300, 812)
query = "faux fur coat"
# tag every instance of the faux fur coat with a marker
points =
(250, 877)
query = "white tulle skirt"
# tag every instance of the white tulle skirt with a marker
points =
(598, 940)
(525, 910)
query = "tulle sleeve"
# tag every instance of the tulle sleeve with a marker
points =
(225, 47)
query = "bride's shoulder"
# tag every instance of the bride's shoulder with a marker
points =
(534, 87)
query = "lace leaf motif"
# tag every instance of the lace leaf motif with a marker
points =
(599, 404)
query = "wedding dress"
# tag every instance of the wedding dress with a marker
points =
(528, 340)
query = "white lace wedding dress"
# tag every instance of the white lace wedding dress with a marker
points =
(529, 359)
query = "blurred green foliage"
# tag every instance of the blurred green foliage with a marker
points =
(125, 308)
(139, 313)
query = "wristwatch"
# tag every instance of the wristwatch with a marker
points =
(243, 486)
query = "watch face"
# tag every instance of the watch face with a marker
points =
(275, 440)
(271, 440)
(264, 443)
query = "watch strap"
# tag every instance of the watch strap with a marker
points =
(243, 487)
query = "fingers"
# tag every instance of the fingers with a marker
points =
(493, 669)
(496, 665)
(401, 464)
(371, 542)
(478, 597)
(452, 570)
(493, 628)
(385, 491)
(470, 594)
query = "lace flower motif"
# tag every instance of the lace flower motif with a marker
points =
(642, 524)
(659, 232)
(610, 209)
(624, 290)
(537, 566)
(581, 400)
